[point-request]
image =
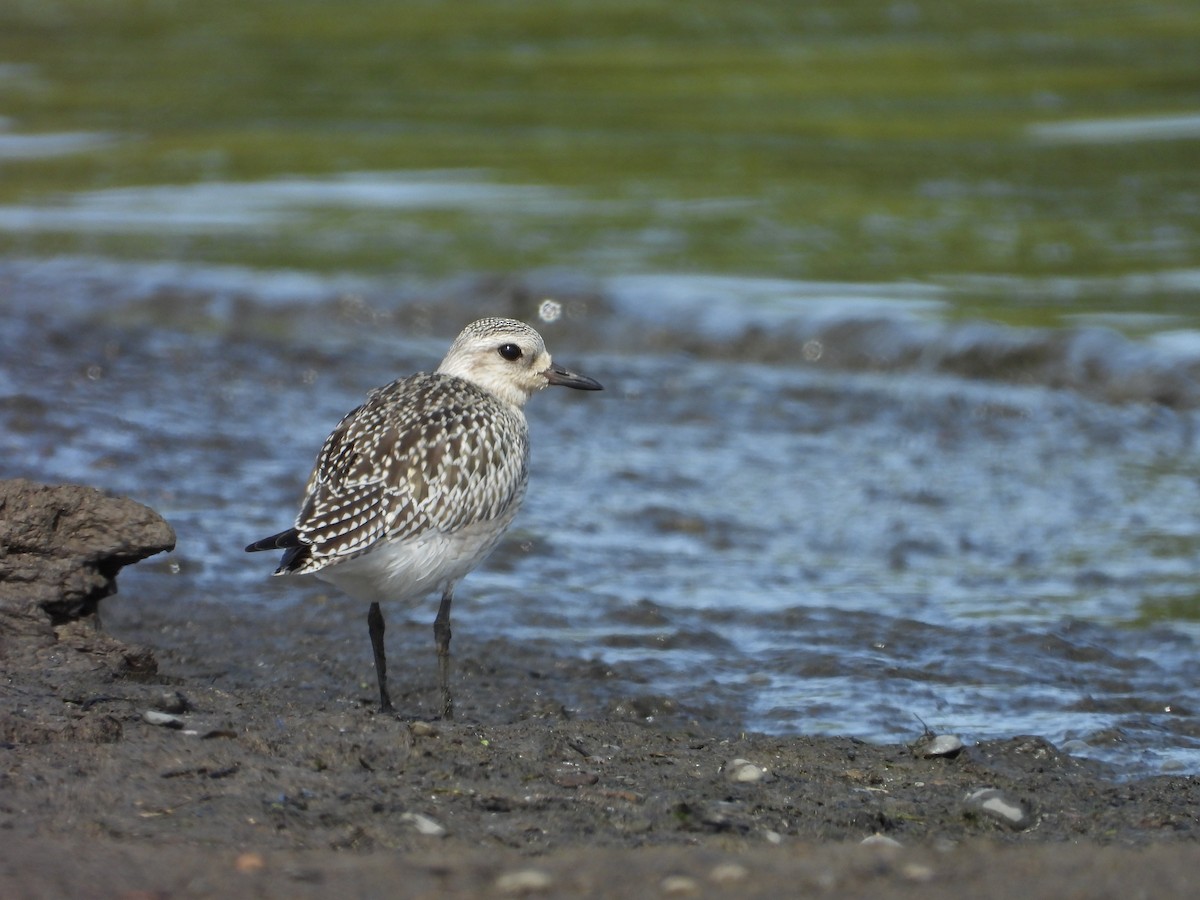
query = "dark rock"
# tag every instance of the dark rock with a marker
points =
(61, 547)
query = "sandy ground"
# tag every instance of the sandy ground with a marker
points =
(255, 793)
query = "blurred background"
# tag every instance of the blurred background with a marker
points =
(1036, 160)
(897, 304)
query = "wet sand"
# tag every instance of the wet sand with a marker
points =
(560, 778)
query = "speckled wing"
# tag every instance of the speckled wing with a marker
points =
(426, 453)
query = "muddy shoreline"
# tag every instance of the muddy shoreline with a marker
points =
(148, 759)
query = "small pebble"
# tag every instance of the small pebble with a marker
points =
(744, 771)
(524, 881)
(881, 840)
(727, 873)
(679, 884)
(424, 824)
(422, 729)
(249, 863)
(154, 717)
(994, 804)
(948, 745)
(918, 872)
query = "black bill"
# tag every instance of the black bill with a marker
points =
(556, 374)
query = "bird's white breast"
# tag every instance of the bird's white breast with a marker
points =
(407, 570)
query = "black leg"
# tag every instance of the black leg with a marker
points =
(441, 636)
(375, 626)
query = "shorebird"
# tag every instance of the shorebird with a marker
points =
(414, 488)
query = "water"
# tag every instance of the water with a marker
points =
(834, 549)
(898, 308)
(846, 141)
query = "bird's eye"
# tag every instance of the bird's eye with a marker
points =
(510, 352)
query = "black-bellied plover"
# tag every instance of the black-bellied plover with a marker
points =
(415, 487)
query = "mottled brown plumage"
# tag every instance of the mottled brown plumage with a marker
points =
(428, 453)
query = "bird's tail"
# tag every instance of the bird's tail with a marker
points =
(285, 540)
(296, 551)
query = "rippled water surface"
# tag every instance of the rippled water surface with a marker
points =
(832, 548)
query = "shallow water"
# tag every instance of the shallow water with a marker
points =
(824, 544)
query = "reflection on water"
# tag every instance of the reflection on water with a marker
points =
(1143, 128)
(41, 146)
(249, 207)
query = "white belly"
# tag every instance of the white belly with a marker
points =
(406, 571)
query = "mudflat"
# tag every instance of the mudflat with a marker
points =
(143, 761)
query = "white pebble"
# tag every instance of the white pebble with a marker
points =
(881, 840)
(679, 884)
(918, 872)
(154, 717)
(743, 770)
(727, 873)
(942, 745)
(996, 805)
(524, 881)
(424, 824)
